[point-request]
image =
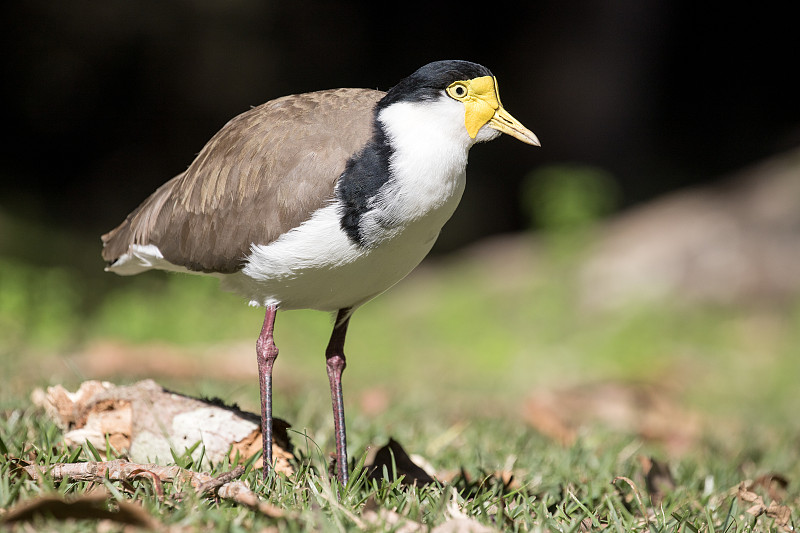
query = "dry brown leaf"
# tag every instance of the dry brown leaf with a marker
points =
(374, 401)
(458, 521)
(747, 495)
(757, 509)
(507, 478)
(147, 421)
(463, 525)
(658, 478)
(376, 517)
(87, 507)
(647, 410)
(774, 483)
(394, 454)
(64, 407)
(540, 412)
(450, 476)
(782, 514)
(18, 466)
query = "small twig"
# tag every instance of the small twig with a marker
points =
(116, 470)
(239, 492)
(224, 485)
(220, 480)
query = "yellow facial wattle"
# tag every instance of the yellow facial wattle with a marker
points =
(482, 106)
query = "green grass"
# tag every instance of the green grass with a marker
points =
(457, 349)
(555, 488)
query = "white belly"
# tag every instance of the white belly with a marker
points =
(316, 266)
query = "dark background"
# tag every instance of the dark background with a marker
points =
(104, 101)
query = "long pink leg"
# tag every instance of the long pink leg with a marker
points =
(266, 353)
(335, 360)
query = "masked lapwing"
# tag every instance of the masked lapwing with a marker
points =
(320, 201)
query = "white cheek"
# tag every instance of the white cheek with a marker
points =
(427, 126)
(486, 133)
(431, 146)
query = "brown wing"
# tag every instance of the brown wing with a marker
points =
(261, 175)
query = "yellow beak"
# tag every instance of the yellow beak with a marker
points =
(504, 122)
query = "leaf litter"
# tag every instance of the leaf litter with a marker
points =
(94, 505)
(774, 488)
(104, 414)
(146, 421)
(647, 410)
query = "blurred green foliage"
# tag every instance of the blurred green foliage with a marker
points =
(161, 306)
(38, 305)
(568, 197)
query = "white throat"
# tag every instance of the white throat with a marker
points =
(428, 165)
(429, 138)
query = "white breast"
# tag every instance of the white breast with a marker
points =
(316, 266)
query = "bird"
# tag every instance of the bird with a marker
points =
(320, 200)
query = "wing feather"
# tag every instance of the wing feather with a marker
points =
(264, 173)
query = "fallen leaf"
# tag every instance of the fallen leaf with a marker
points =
(463, 525)
(747, 495)
(782, 514)
(647, 410)
(65, 407)
(507, 478)
(394, 458)
(774, 483)
(374, 401)
(380, 518)
(460, 522)
(757, 509)
(541, 413)
(17, 466)
(88, 507)
(658, 478)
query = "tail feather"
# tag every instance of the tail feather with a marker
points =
(137, 226)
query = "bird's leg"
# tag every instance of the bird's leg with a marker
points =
(334, 356)
(266, 353)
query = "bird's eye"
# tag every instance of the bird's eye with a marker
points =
(457, 90)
